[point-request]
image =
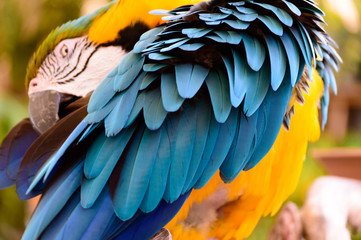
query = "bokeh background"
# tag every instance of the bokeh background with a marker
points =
(25, 23)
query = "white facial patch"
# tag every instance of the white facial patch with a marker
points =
(76, 67)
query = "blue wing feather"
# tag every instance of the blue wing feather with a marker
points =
(102, 163)
(219, 93)
(277, 60)
(224, 141)
(293, 56)
(277, 103)
(237, 158)
(255, 52)
(170, 96)
(154, 112)
(181, 152)
(53, 201)
(189, 78)
(159, 178)
(136, 174)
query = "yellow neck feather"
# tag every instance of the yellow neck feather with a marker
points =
(124, 13)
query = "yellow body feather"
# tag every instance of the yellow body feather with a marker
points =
(262, 190)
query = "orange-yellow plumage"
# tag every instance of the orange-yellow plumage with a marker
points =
(126, 13)
(262, 190)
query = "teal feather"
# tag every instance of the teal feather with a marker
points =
(136, 173)
(241, 3)
(276, 106)
(230, 37)
(181, 152)
(257, 91)
(102, 165)
(196, 32)
(153, 67)
(147, 38)
(332, 62)
(172, 129)
(272, 24)
(305, 49)
(255, 52)
(148, 79)
(159, 57)
(292, 7)
(278, 61)
(235, 100)
(214, 128)
(49, 165)
(293, 55)
(325, 101)
(314, 8)
(214, 23)
(219, 92)
(332, 80)
(246, 17)
(221, 148)
(53, 201)
(88, 131)
(96, 156)
(307, 39)
(158, 180)
(118, 117)
(203, 121)
(226, 10)
(237, 24)
(246, 10)
(236, 158)
(175, 45)
(192, 47)
(170, 96)
(99, 115)
(154, 112)
(129, 68)
(243, 75)
(189, 78)
(174, 40)
(212, 16)
(137, 108)
(281, 14)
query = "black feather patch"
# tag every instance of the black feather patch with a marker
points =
(129, 36)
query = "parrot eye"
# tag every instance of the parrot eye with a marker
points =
(64, 51)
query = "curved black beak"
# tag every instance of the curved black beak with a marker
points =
(44, 108)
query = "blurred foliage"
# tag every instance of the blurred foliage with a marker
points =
(11, 208)
(23, 25)
(349, 42)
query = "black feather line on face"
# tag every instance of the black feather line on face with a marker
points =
(129, 36)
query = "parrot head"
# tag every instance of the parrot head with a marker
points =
(77, 56)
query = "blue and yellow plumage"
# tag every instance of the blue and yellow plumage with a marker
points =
(190, 119)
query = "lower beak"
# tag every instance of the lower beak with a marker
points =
(44, 108)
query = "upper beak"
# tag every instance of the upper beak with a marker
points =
(44, 108)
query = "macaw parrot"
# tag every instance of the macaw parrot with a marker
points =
(195, 119)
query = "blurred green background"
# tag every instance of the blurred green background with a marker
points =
(25, 23)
